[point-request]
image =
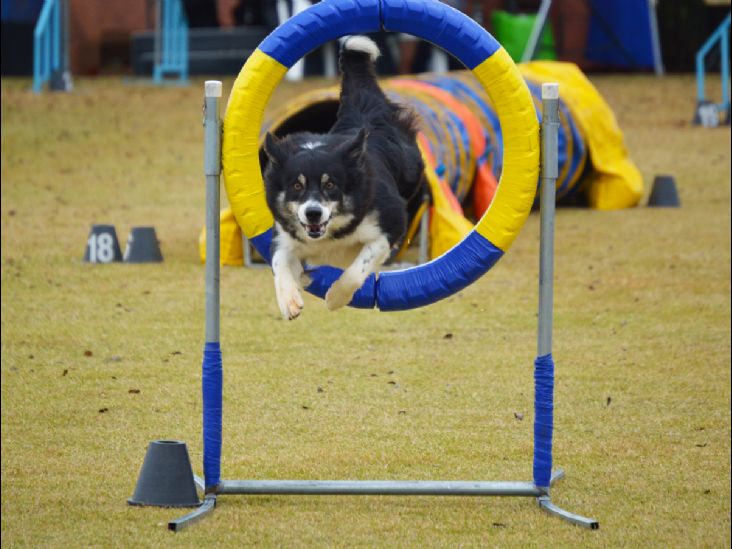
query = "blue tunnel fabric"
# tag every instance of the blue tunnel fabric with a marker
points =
(468, 95)
(212, 388)
(543, 419)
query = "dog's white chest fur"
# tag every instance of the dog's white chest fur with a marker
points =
(360, 254)
(338, 252)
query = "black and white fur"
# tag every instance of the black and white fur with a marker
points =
(342, 198)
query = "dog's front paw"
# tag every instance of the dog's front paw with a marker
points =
(290, 301)
(340, 294)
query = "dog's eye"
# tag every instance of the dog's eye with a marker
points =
(329, 185)
(297, 186)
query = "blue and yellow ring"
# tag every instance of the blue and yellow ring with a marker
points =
(452, 31)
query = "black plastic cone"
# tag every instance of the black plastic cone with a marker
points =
(102, 245)
(664, 193)
(166, 477)
(143, 246)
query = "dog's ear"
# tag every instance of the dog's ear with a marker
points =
(354, 150)
(274, 149)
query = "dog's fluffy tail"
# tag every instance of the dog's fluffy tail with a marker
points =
(359, 44)
(358, 56)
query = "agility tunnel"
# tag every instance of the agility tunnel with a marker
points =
(462, 144)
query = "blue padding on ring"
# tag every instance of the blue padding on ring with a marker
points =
(441, 277)
(324, 277)
(212, 388)
(321, 23)
(442, 25)
(263, 244)
(543, 419)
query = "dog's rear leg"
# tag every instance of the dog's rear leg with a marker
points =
(371, 257)
(287, 272)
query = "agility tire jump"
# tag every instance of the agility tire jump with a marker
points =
(491, 237)
(478, 51)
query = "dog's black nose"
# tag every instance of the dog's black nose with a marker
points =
(313, 214)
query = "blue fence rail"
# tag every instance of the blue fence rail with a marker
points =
(46, 44)
(171, 41)
(706, 110)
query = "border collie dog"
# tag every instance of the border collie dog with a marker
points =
(342, 198)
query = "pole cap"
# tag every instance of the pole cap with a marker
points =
(550, 90)
(213, 88)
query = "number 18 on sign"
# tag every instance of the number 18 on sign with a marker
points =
(102, 245)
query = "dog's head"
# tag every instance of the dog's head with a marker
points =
(315, 184)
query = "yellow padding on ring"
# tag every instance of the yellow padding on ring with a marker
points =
(521, 153)
(240, 149)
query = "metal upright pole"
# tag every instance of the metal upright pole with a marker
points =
(158, 47)
(212, 372)
(655, 40)
(544, 365)
(549, 174)
(67, 44)
(532, 43)
(61, 74)
(724, 68)
(424, 232)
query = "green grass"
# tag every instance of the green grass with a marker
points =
(642, 345)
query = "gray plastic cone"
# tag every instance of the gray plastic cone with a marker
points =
(664, 193)
(143, 246)
(166, 477)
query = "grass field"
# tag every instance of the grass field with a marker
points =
(99, 360)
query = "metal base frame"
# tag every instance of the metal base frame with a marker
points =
(382, 488)
(217, 487)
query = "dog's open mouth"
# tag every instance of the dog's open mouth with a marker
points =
(315, 231)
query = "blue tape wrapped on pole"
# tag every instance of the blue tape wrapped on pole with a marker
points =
(211, 383)
(543, 419)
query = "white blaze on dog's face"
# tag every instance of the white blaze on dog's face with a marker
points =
(314, 214)
(312, 186)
